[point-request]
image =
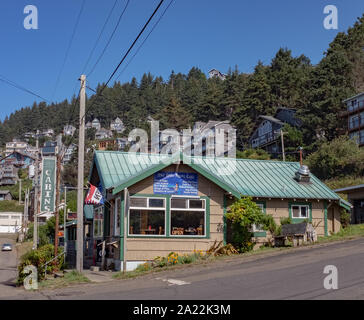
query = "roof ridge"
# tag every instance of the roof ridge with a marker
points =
(197, 157)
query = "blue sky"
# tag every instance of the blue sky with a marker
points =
(203, 33)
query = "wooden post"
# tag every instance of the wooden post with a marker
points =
(282, 141)
(36, 190)
(81, 156)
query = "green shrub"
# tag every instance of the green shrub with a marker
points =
(344, 218)
(38, 258)
(243, 213)
(286, 220)
(144, 267)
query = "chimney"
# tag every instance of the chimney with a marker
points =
(303, 174)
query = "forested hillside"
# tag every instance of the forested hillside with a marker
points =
(316, 91)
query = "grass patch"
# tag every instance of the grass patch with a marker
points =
(23, 248)
(350, 232)
(347, 181)
(11, 206)
(69, 278)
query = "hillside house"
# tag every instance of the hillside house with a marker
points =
(178, 203)
(267, 131)
(96, 124)
(5, 195)
(117, 125)
(50, 149)
(15, 145)
(69, 130)
(69, 150)
(354, 116)
(8, 175)
(216, 73)
(18, 160)
(103, 133)
(107, 144)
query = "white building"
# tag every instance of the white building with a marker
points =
(69, 152)
(216, 73)
(117, 125)
(47, 133)
(96, 124)
(15, 145)
(10, 222)
(69, 130)
(103, 133)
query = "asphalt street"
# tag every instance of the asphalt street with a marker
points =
(291, 274)
(8, 264)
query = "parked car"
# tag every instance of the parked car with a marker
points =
(6, 247)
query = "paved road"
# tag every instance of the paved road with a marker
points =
(8, 264)
(294, 274)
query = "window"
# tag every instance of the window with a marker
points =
(300, 211)
(117, 209)
(188, 217)
(258, 228)
(147, 216)
(98, 222)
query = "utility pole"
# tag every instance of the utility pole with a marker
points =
(58, 196)
(301, 157)
(65, 220)
(81, 149)
(19, 191)
(36, 188)
(282, 141)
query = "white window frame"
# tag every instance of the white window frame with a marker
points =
(301, 206)
(187, 209)
(100, 222)
(149, 208)
(116, 214)
(258, 228)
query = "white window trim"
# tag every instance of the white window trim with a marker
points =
(255, 228)
(117, 232)
(300, 206)
(149, 208)
(100, 222)
(187, 209)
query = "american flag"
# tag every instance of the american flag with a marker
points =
(94, 196)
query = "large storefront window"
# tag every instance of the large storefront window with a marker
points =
(147, 216)
(188, 217)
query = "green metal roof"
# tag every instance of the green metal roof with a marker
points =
(256, 178)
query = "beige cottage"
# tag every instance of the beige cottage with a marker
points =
(179, 204)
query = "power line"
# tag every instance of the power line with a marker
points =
(125, 55)
(109, 40)
(68, 48)
(134, 42)
(146, 38)
(99, 37)
(14, 84)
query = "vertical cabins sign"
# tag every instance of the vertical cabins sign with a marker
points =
(48, 184)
